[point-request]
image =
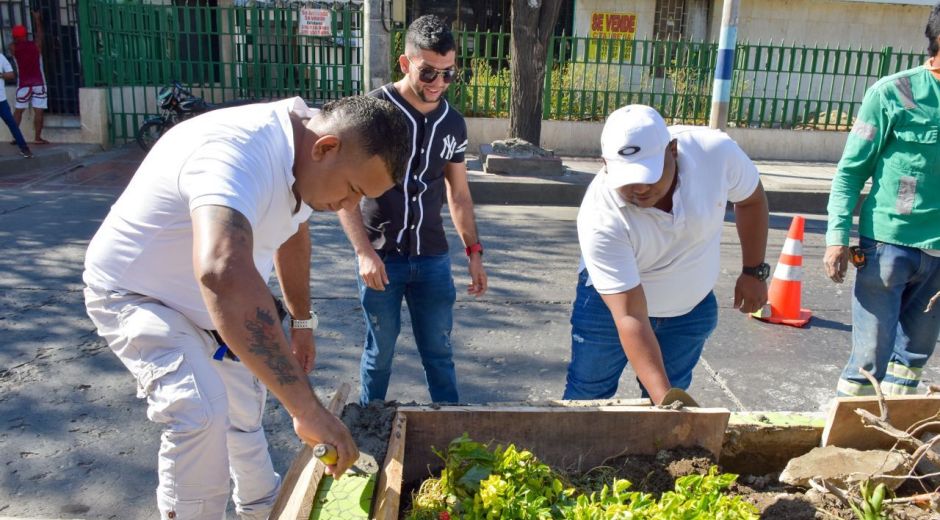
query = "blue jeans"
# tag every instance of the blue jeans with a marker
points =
(427, 285)
(7, 117)
(598, 358)
(892, 336)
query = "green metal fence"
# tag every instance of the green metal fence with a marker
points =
(220, 53)
(774, 86)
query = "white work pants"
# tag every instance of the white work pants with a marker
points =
(210, 410)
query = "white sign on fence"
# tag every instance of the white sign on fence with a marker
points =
(314, 22)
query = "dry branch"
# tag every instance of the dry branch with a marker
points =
(931, 500)
(881, 398)
(903, 438)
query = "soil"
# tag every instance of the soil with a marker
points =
(657, 474)
(775, 501)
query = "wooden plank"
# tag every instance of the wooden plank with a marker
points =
(844, 427)
(388, 494)
(574, 438)
(299, 486)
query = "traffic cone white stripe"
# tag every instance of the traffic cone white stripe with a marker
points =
(783, 295)
(789, 273)
(793, 247)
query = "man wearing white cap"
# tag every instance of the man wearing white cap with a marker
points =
(650, 229)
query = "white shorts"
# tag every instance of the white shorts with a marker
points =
(35, 96)
(210, 410)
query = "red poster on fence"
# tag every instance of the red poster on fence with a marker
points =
(314, 22)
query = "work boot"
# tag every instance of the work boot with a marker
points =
(26, 152)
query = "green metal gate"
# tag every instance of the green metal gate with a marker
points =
(253, 50)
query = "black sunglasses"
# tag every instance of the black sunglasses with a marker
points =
(429, 74)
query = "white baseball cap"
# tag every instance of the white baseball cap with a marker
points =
(633, 145)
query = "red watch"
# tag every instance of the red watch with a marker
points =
(475, 248)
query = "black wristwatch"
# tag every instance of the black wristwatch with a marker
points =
(761, 271)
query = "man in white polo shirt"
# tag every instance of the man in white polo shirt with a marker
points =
(650, 229)
(177, 276)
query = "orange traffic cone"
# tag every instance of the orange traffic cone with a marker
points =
(784, 295)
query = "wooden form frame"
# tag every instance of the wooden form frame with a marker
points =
(845, 429)
(299, 487)
(576, 437)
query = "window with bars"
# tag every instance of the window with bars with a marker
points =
(668, 25)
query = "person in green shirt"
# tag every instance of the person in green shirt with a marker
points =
(894, 142)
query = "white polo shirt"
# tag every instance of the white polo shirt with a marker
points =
(4, 68)
(241, 158)
(675, 256)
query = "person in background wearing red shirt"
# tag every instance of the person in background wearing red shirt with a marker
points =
(31, 82)
(6, 74)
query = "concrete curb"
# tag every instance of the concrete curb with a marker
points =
(18, 164)
(568, 190)
(45, 157)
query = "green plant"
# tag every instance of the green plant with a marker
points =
(483, 483)
(872, 499)
(484, 91)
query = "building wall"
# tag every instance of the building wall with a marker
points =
(795, 22)
(828, 22)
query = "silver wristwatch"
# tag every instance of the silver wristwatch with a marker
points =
(311, 324)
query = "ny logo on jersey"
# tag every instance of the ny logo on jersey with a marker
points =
(451, 147)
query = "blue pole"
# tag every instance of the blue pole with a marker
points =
(721, 88)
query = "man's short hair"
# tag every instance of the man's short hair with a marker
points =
(378, 126)
(933, 30)
(429, 33)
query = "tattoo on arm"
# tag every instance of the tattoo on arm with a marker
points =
(232, 223)
(263, 330)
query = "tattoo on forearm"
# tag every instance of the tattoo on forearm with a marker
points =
(263, 330)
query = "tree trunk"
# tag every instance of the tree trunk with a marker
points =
(532, 24)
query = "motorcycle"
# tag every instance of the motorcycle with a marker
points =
(176, 104)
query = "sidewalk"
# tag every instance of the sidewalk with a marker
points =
(793, 187)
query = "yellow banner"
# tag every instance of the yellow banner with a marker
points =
(619, 26)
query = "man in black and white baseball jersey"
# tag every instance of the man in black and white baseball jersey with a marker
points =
(399, 237)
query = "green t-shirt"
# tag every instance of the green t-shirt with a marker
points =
(894, 142)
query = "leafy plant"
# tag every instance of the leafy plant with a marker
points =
(483, 483)
(871, 502)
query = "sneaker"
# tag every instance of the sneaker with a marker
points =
(26, 152)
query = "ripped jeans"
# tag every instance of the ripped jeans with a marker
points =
(425, 282)
(210, 410)
(598, 359)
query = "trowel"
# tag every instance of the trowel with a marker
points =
(327, 455)
(673, 396)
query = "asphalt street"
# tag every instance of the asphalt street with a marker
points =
(75, 442)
